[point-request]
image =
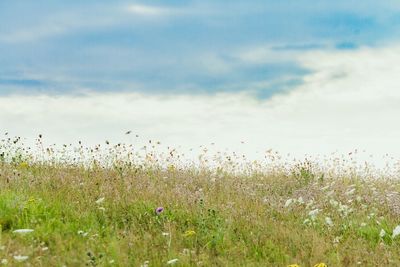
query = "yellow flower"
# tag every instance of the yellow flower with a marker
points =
(320, 265)
(189, 233)
(293, 265)
(23, 165)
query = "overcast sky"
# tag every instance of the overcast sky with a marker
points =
(297, 76)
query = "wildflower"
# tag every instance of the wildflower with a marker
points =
(145, 264)
(23, 165)
(23, 231)
(344, 209)
(328, 221)
(100, 200)
(300, 200)
(102, 208)
(172, 262)
(21, 258)
(293, 265)
(382, 233)
(396, 231)
(165, 234)
(313, 214)
(82, 233)
(320, 265)
(159, 210)
(4, 261)
(189, 233)
(334, 203)
(337, 239)
(45, 248)
(363, 224)
(288, 202)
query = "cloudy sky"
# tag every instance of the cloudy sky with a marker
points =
(300, 77)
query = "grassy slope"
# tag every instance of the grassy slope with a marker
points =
(237, 220)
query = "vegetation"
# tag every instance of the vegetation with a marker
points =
(117, 208)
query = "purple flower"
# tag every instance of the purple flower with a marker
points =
(159, 210)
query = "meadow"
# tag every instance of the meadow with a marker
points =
(113, 205)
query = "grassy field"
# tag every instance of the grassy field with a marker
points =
(54, 213)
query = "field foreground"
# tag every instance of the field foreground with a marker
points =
(69, 215)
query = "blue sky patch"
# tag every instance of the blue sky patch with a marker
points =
(177, 47)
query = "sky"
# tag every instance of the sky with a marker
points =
(300, 77)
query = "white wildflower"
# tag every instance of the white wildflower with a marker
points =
(396, 231)
(328, 221)
(363, 224)
(337, 239)
(165, 234)
(171, 262)
(382, 233)
(21, 258)
(82, 233)
(307, 222)
(300, 200)
(334, 203)
(4, 261)
(23, 231)
(45, 248)
(100, 200)
(344, 209)
(313, 213)
(288, 202)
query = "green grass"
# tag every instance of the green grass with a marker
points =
(210, 217)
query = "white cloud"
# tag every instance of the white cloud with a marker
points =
(350, 101)
(84, 19)
(264, 54)
(58, 24)
(146, 10)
